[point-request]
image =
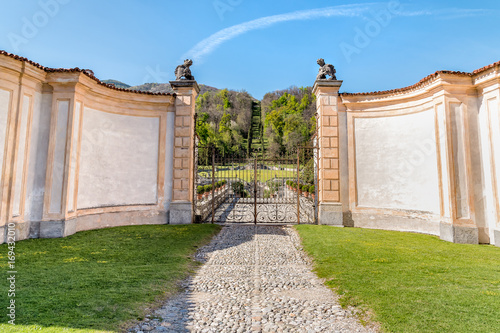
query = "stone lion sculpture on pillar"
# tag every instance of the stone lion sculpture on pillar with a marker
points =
(325, 69)
(184, 71)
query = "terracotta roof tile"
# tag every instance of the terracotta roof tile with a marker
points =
(86, 72)
(421, 82)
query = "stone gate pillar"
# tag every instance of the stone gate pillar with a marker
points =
(330, 205)
(181, 209)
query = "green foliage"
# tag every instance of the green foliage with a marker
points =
(276, 119)
(225, 123)
(208, 188)
(307, 173)
(239, 189)
(220, 183)
(224, 120)
(200, 189)
(289, 119)
(305, 188)
(95, 281)
(312, 189)
(409, 282)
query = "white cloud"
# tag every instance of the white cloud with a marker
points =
(211, 43)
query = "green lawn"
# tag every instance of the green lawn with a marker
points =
(410, 282)
(97, 281)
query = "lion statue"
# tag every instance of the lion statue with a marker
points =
(184, 71)
(325, 69)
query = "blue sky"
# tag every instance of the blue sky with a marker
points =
(258, 46)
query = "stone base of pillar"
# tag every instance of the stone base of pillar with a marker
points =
(22, 231)
(458, 234)
(496, 235)
(330, 214)
(181, 213)
(57, 229)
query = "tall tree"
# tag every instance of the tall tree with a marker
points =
(289, 118)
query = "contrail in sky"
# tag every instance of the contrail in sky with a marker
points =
(209, 44)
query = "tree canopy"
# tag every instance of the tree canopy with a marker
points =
(224, 120)
(289, 119)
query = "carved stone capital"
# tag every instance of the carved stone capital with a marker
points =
(328, 85)
(176, 85)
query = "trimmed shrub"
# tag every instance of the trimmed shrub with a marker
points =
(200, 189)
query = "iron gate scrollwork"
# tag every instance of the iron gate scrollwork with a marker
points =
(239, 189)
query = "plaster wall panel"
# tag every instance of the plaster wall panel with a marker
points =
(59, 156)
(5, 97)
(40, 132)
(20, 156)
(118, 160)
(396, 162)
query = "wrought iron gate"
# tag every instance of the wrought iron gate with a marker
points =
(256, 189)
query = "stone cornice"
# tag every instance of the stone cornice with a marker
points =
(428, 80)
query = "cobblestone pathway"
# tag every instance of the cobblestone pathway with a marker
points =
(255, 279)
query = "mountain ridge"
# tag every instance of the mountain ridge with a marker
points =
(156, 87)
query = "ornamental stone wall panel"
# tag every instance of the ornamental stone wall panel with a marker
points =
(77, 154)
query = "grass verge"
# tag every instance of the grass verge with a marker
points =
(410, 282)
(98, 281)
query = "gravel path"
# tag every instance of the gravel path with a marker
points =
(255, 279)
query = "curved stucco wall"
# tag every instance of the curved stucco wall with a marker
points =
(77, 154)
(425, 158)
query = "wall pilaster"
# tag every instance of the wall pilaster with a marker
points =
(329, 177)
(460, 146)
(181, 210)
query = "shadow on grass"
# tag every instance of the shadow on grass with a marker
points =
(97, 281)
(106, 280)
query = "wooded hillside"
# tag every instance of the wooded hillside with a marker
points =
(289, 119)
(224, 120)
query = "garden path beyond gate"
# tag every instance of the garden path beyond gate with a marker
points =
(256, 189)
